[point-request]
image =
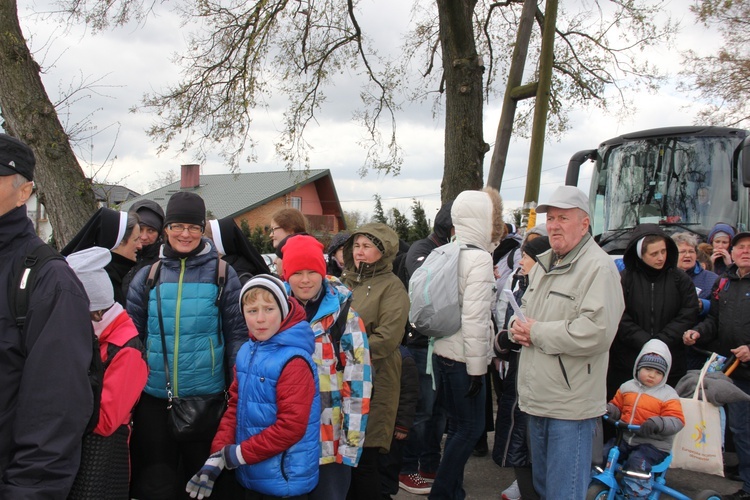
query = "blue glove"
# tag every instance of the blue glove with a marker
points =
(202, 483)
(232, 455)
(653, 425)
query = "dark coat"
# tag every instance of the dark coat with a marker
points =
(659, 304)
(45, 395)
(727, 325)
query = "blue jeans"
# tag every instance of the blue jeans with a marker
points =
(561, 456)
(738, 418)
(465, 425)
(422, 449)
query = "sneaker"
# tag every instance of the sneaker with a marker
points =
(428, 476)
(414, 483)
(737, 495)
(512, 492)
(481, 449)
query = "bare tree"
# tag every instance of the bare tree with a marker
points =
(29, 114)
(241, 54)
(722, 80)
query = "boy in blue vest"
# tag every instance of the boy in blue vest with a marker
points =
(270, 432)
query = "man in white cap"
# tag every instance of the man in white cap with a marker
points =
(571, 311)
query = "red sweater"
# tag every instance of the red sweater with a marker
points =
(125, 377)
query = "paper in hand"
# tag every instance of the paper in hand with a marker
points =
(512, 301)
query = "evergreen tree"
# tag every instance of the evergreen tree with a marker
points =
(260, 240)
(401, 225)
(379, 215)
(420, 227)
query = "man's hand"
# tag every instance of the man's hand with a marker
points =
(521, 331)
(202, 483)
(742, 353)
(475, 386)
(690, 337)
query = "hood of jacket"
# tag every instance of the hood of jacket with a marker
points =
(658, 347)
(472, 219)
(388, 238)
(443, 223)
(540, 229)
(631, 258)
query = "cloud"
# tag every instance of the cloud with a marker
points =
(134, 60)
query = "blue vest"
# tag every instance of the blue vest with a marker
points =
(259, 366)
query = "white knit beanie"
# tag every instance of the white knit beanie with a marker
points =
(271, 284)
(89, 265)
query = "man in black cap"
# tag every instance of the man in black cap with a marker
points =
(727, 329)
(45, 394)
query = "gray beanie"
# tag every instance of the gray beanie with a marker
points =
(89, 265)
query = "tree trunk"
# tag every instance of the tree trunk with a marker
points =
(462, 69)
(29, 115)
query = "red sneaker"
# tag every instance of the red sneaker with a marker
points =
(414, 483)
(428, 476)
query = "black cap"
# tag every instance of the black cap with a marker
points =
(16, 157)
(739, 236)
(187, 208)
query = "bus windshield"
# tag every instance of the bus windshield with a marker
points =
(685, 182)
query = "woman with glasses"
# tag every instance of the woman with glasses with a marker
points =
(192, 330)
(703, 280)
(285, 223)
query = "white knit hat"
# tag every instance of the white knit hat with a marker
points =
(273, 285)
(89, 265)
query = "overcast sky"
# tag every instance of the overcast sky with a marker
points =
(133, 60)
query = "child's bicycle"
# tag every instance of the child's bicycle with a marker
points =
(605, 483)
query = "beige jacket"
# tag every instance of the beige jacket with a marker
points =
(577, 307)
(472, 344)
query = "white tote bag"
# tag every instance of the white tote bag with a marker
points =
(697, 447)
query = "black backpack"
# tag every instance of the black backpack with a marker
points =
(23, 280)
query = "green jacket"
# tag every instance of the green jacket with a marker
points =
(382, 303)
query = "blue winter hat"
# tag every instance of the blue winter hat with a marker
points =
(721, 228)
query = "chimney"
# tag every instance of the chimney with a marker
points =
(190, 177)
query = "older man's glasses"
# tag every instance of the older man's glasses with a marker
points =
(190, 228)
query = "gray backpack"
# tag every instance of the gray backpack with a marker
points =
(433, 292)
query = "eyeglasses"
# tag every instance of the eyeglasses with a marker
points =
(274, 228)
(179, 228)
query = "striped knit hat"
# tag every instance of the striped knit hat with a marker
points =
(271, 284)
(653, 360)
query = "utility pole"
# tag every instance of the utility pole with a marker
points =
(540, 90)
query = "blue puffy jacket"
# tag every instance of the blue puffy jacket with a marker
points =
(204, 339)
(259, 366)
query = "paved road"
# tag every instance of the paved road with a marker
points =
(485, 481)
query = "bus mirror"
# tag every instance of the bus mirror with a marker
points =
(574, 165)
(746, 162)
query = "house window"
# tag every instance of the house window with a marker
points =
(296, 202)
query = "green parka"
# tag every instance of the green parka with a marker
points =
(381, 301)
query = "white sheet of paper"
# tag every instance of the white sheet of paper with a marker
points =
(512, 301)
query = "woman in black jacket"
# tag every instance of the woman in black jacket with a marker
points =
(660, 302)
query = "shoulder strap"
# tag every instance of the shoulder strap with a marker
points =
(221, 279)
(113, 349)
(24, 279)
(337, 331)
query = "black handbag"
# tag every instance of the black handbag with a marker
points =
(190, 418)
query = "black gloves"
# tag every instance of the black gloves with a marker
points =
(653, 425)
(475, 386)
(613, 412)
